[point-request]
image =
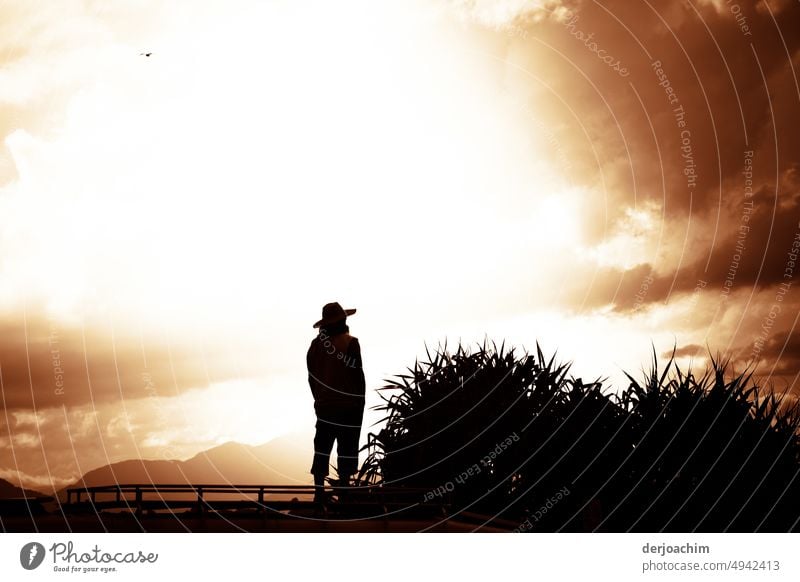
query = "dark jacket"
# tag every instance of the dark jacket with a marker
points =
(335, 372)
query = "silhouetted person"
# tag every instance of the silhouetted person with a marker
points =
(336, 377)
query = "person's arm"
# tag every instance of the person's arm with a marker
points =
(310, 366)
(356, 363)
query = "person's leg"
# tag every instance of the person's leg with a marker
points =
(347, 438)
(323, 445)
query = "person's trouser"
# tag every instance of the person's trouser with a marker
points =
(344, 427)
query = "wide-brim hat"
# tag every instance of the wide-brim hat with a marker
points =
(333, 312)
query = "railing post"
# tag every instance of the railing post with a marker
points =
(138, 500)
(200, 500)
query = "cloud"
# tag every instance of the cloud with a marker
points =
(58, 444)
(690, 350)
(498, 13)
(635, 131)
(777, 355)
(49, 363)
(758, 250)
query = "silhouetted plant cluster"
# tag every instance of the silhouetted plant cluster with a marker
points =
(515, 436)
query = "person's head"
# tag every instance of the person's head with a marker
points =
(334, 319)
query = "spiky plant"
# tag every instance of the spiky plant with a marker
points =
(503, 433)
(713, 453)
(482, 426)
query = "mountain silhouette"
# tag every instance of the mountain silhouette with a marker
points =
(230, 463)
(10, 491)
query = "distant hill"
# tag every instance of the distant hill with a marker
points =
(9, 490)
(232, 462)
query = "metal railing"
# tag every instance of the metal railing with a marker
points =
(203, 497)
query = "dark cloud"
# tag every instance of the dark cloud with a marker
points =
(687, 351)
(712, 69)
(46, 364)
(760, 251)
(730, 86)
(778, 355)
